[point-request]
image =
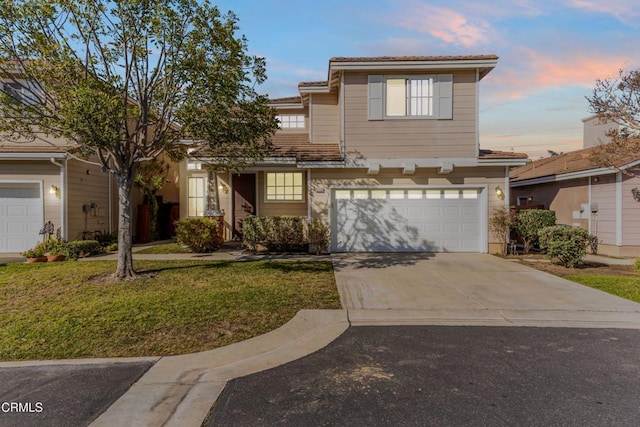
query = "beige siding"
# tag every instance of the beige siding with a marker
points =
(411, 138)
(41, 171)
(323, 180)
(325, 118)
(630, 212)
(565, 198)
(279, 208)
(87, 184)
(603, 193)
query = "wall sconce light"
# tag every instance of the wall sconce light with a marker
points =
(55, 191)
(636, 194)
(222, 187)
(499, 193)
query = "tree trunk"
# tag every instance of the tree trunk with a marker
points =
(125, 269)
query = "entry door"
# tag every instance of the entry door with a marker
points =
(244, 200)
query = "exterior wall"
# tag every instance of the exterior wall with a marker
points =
(594, 132)
(566, 198)
(323, 179)
(43, 171)
(411, 138)
(630, 212)
(603, 224)
(87, 184)
(280, 208)
(325, 118)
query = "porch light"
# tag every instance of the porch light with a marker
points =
(499, 193)
(222, 187)
(636, 194)
(55, 191)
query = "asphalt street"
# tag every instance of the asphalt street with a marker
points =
(63, 395)
(447, 376)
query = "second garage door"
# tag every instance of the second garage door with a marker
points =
(21, 216)
(409, 220)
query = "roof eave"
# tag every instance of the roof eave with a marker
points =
(484, 65)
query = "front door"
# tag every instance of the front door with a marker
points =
(244, 200)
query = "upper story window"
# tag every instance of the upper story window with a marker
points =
(24, 93)
(414, 96)
(291, 121)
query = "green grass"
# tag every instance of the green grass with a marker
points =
(165, 248)
(623, 286)
(58, 310)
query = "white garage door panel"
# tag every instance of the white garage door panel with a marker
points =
(447, 220)
(21, 216)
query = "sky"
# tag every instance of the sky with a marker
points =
(551, 52)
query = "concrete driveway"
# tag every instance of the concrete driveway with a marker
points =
(469, 289)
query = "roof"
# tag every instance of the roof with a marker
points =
(29, 148)
(575, 161)
(491, 154)
(414, 58)
(287, 100)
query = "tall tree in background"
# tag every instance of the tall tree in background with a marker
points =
(617, 100)
(127, 80)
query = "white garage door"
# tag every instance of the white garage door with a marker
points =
(409, 220)
(21, 216)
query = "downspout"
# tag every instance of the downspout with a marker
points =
(63, 196)
(343, 148)
(110, 203)
(619, 209)
(309, 194)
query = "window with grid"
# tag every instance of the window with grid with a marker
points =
(196, 195)
(291, 121)
(285, 186)
(409, 97)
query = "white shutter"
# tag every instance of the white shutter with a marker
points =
(444, 96)
(376, 84)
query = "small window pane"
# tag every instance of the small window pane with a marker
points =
(469, 194)
(433, 194)
(361, 194)
(396, 97)
(396, 194)
(379, 194)
(414, 194)
(451, 194)
(343, 194)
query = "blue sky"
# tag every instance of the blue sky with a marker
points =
(551, 52)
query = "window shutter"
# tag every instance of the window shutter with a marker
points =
(444, 96)
(376, 84)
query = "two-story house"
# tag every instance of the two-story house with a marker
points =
(386, 151)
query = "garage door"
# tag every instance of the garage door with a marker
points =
(408, 220)
(21, 216)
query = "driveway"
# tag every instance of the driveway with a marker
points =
(469, 289)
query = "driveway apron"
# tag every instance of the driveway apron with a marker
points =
(469, 289)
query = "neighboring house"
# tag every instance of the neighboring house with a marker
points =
(606, 202)
(386, 151)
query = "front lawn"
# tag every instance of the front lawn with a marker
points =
(65, 310)
(165, 248)
(623, 286)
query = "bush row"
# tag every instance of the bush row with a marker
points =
(201, 235)
(285, 234)
(71, 250)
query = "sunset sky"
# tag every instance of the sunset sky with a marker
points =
(551, 52)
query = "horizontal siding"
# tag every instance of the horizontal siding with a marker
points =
(87, 183)
(45, 172)
(630, 212)
(603, 193)
(422, 138)
(325, 120)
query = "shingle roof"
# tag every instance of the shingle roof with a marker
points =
(287, 100)
(313, 84)
(575, 161)
(31, 148)
(414, 58)
(491, 154)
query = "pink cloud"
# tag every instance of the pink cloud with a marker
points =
(626, 11)
(445, 24)
(534, 72)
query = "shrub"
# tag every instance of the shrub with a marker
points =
(81, 248)
(499, 224)
(276, 233)
(529, 222)
(199, 234)
(318, 235)
(566, 243)
(638, 265)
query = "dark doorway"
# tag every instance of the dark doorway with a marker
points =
(244, 200)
